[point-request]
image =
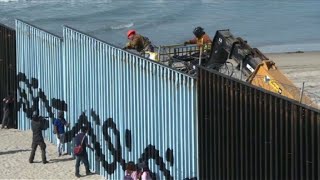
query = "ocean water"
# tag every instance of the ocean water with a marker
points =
(271, 26)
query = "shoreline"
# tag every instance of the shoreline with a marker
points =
(300, 67)
(293, 52)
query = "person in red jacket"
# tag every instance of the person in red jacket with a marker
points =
(138, 42)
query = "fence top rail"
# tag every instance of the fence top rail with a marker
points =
(140, 56)
(19, 20)
(7, 27)
(89, 35)
(259, 88)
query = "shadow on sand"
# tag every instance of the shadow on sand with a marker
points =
(14, 151)
(61, 160)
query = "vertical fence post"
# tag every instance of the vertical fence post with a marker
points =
(159, 48)
(200, 54)
(241, 70)
(301, 92)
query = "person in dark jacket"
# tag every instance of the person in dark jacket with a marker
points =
(201, 39)
(81, 138)
(7, 111)
(138, 42)
(37, 125)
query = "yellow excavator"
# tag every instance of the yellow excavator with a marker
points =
(255, 66)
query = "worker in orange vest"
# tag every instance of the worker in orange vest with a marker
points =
(201, 39)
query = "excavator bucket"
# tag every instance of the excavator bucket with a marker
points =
(221, 47)
(269, 77)
(259, 70)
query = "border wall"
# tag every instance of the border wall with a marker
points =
(213, 126)
(137, 110)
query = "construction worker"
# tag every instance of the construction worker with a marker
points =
(138, 42)
(202, 39)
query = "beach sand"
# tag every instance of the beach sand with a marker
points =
(15, 148)
(301, 67)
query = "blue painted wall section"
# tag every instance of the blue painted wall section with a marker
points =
(137, 110)
(39, 58)
(152, 102)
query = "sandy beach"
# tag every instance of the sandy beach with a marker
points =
(301, 67)
(15, 148)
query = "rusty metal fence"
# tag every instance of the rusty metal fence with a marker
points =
(247, 133)
(7, 66)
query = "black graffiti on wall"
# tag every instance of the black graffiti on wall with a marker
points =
(31, 103)
(27, 106)
(115, 148)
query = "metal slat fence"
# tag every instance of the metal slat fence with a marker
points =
(149, 107)
(40, 75)
(249, 133)
(137, 110)
(7, 67)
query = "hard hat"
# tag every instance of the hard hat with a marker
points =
(198, 32)
(130, 32)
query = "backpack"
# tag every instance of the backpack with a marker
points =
(78, 149)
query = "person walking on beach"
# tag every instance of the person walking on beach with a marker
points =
(37, 125)
(7, 111)
(138, 42)
(81, 139)
(59, 124)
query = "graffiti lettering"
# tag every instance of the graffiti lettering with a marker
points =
(150, 152)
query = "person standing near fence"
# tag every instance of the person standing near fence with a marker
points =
(82, 139)
(8, 103)
(37, 125)
(144, 171)
(131, 172)
(59, 124)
